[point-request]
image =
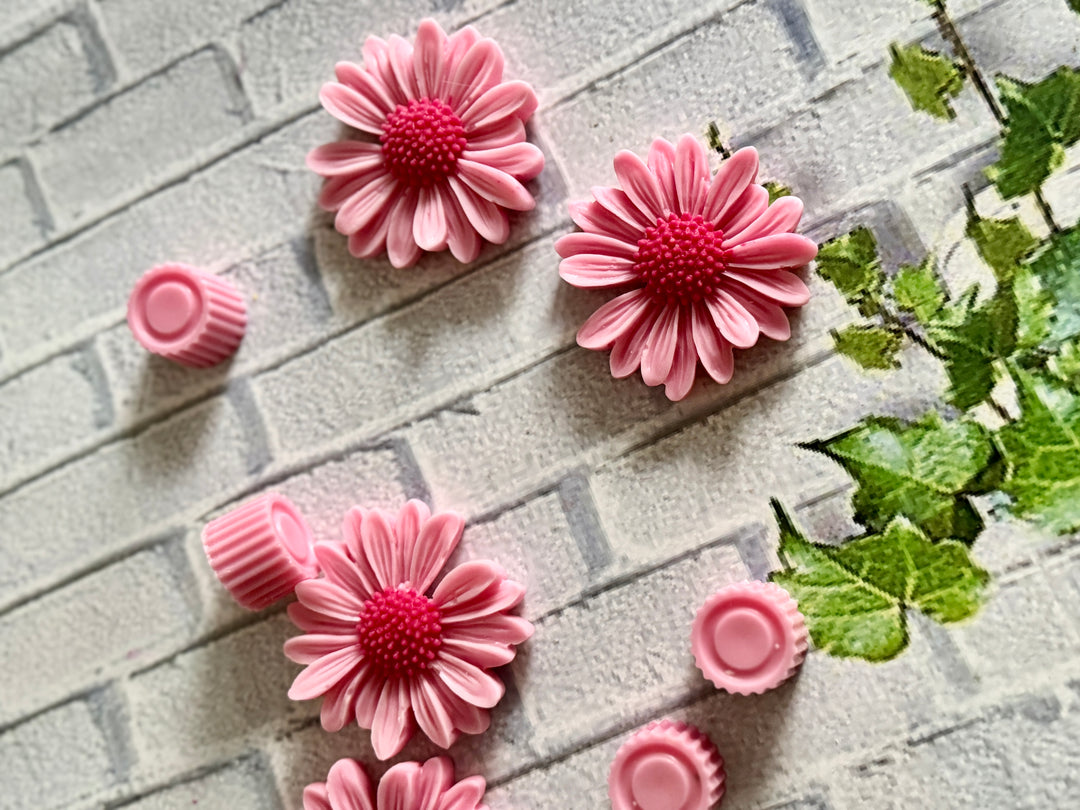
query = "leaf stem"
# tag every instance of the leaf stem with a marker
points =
(1046, 211)
(948, 30)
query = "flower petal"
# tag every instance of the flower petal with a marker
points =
(428, 58)
(504, 596)
(659, 351)
(464, 242)
(318, 677)
(780, 250)
(781, 217)
(574, 243)
(684, 367)
(468, 682)
(430, 229)
(401, 64)
(521, 160)
(661, 162)
(691, 175)
(365, 204)
(457, 45)
(381, 549)
(500, 102)
(479, 653)
(592, 217)
(771, 319)
(431, 712)
(438, 538)
(397, 788)
(639, 184)
(369, 686)
(488, 219)
(618, 202)
(750, 206)
(337, 706)
(713, 351)
(309, 648)
(377, 61)
(785, 288)
(374, 90)
(312, 621)
(343, 572)
(495, 628)
(392, 725)
(336, 191)
(436, 776)
(465, 795)
(371, 239)
(316, 797)
(352, 108)
(626, 353)
(613, 320)
(354, 547)
(412, 516)
(589, 270)
(349, 786)
(480, 69)
(344, 157)
(324, 596)
(400, 245)
(510, 132)
(729, 182)
(736, 324)
(467, 582)
(496, 186)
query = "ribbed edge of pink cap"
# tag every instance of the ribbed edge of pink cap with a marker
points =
(187, 315)
(260, 551)
(749, 637)
(668, 765)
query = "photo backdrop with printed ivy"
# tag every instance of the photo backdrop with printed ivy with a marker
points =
(1018, 343)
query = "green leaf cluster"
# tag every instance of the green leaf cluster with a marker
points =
(855, 597)
(927, 78)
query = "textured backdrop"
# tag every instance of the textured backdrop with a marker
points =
(137, 131)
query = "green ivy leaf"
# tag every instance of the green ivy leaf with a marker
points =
(776, 191)
(969, 337)
(917, 289)
(1034, 309)
(927, 78)
(1057, 267)
(870, 346)
(924, 471)
(850, 262)
(1043, 449)
(1044, 118)
(855, 597)
(1002, 243)
(1065, 365)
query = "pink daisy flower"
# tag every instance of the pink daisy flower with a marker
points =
(407, 786)
(446, 153)
(385, 649)
(705, 263)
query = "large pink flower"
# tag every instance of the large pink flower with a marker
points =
(384, 650)
(408, 786)
(447, 153)
(705, 263)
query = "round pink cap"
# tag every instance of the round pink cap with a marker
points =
(186, 315)
(667, 765)
(260, 551)
(749, 637)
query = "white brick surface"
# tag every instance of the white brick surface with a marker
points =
(137, 139)
(23, 226)
(868, 27)
(1025, 39)
(245, 785)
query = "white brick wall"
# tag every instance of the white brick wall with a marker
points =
(134, 132)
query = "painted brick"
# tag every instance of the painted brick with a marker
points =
(1025, 39)
(536, 546)
(149, 35)
(97, 506)
(245, 785)
(867, 28)
(720, 473)
(560, 47)
(581, 780)
(613, 658)
(48, 412)
(23, 224)
(287, 311)
(200, 221)
(569, 411)
(489, 323)
(140, 137)
(28, 15)
(37, 772)
(739, 70)
(213, 702)
(47, 78)
(139, 605)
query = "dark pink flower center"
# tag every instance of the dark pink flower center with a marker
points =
(400, 632)
(680, 259)
(421, 141)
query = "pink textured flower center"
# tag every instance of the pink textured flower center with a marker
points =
(400, 632)
(680, 259)
(421, 141)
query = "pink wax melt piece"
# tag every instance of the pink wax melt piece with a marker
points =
(261, 551)
(668, 765)
(749, 637)
(187, 315)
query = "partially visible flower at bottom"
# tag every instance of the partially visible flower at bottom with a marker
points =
(407, 786)
(704, 263)
(385, 648)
